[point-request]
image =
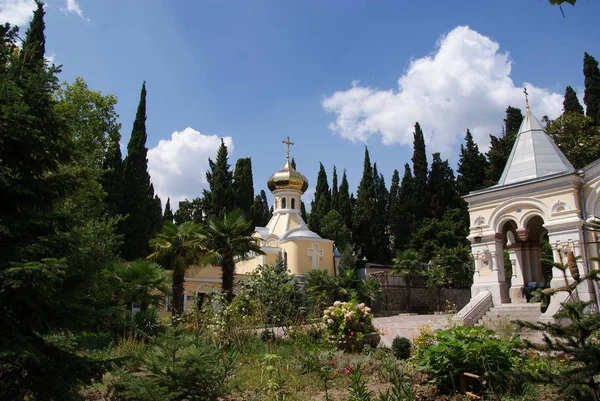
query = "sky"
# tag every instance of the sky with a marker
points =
(333, 75)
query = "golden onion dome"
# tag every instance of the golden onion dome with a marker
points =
(287, 178)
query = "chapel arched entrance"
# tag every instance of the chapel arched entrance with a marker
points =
(523, 251)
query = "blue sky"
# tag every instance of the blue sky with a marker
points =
(333, 75)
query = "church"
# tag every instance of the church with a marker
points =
(539, 197)
(286, 234)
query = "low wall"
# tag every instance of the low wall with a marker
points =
(423, 300)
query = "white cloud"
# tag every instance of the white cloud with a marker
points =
(464, 84)
(177, 166)
(73, 7)
(50, 58)
(17, 12)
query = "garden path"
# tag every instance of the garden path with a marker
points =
(408, 325)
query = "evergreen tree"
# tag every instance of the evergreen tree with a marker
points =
(334, 228)
(419, 160)
(379, 227)
(335, 201)
(577, 136)
(112, 177)
(395, 210)
(155, 212)
(501, 146)
(138, 194)
(442, 187)
(303, 211)
(34, 45)
(364, 213)
(168, 216)
(219, 199)
(405, 218)
(571, 103)
(471, 167)
(345, 207)
(261, 210)
(321, 204)
(189, 211)
(293, 164)
(591, 96)
(243, 186)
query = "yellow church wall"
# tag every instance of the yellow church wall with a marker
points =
(298, 258)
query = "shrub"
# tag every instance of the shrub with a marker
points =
(401, 347)
(465, 349)
(346, 320)
(177, 365)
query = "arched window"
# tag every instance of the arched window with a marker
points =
(293, 203)
(283, 205)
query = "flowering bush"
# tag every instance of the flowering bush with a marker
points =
(346, 320)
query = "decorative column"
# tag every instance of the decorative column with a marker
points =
(489, 268)
(517, 289)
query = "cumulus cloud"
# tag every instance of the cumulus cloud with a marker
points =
(464, 84)
(73, 7)
(17, 12)
(177, 166)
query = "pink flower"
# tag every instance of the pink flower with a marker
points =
(362, 324)
(337, 303)
(348, 369)
(348, 316)
(330, 321)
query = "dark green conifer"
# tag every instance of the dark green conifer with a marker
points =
(168, 215)
(379, 227)
(219, 198)
(293, 163)
(512, 122)
(395, 210)
(364, 212)
(471, 167)
(571, 103)
(501, 146)
(243, 186)
(155, 212)
(405, 218)
(591, 96)
(189, 211)
(335, 201)
(138, 195)
(112, 177)
(321, 203)
(346, 205)
(442, 187)
(34, 45)
(303, 211)
(419, 160)
(261, 214)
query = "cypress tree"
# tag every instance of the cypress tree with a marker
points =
(243, 186)
(442, 187)
(293, 164)
(138, 195)
(471, 167)
(345, 202)
(364, 212)
(155, 213)
(379, 227)
(321, 204)
(303, 211)
(219, 199)
(34, 45)
(335, 201)
(591, 96)
(405, 220)
(395, 210)
(261, 214)
(501, 146)
(419, 160)
(168, 215)
(112, 177)
(571, 103)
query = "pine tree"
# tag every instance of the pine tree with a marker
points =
(471, 167)
(442, 187)
(136, 188)
(395, 210)
(364, 212)
(243, 186)
(379, 227)
(571, 103)
(405, 222)
(591, 96)
(419, 160)
(345, 202)
(220, 197)
(168, 215)
(501, 146)
(321, 204)
(334, 191)
(261, 210)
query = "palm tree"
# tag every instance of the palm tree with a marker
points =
(409, 265)
(177, 247)
(225, 238)
(143, 282)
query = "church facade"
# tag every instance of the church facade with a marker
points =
(539, 197)
(286, 234)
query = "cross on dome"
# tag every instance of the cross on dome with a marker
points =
(526, 97)
(287, 143)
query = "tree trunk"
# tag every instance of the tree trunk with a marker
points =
(408, 294)
(228, 271)
(178, 292)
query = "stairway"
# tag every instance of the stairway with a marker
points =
(500, 318)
